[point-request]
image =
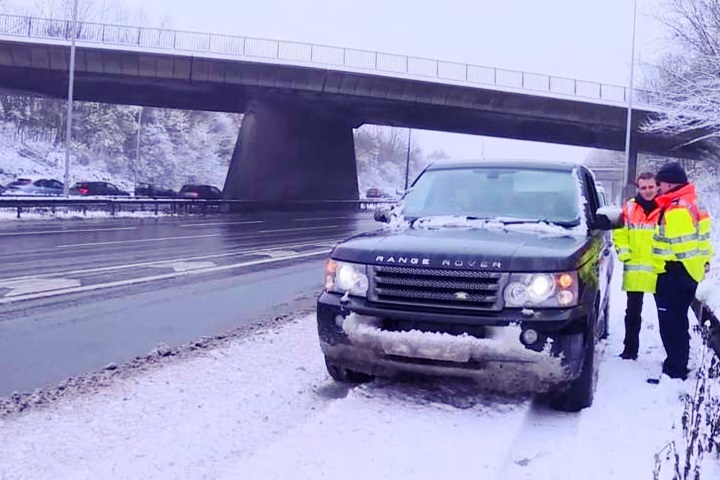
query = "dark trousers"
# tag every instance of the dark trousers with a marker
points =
(632, 321)
(675, 291)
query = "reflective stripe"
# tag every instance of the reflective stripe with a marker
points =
(638, 268)
(662, 251)
(630, 208)
(685, 238)
(623, 250)
(689, 207)
(686, 255)
(704, 236)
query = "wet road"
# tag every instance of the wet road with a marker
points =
(77, 295)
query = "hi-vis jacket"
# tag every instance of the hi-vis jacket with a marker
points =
(634, 245)
(682, 233)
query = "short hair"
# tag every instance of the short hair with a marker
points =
(644, 176)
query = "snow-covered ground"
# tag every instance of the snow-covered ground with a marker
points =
(260, 405)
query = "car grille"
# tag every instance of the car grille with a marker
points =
(451, 289)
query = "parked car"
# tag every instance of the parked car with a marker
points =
(501, 273)
(200, 191)
(154, 190)
(375, 193)
(40, 186)
(97, 188)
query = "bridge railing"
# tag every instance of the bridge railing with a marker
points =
(312, 54)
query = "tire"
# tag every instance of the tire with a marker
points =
(606, 321)
(344, 375)
(580, 392)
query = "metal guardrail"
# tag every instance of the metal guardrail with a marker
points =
(169, 206)
(313, 54)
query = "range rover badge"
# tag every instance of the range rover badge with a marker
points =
(462, 295)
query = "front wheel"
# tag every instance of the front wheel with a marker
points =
(345, 375)
(580, 392)
(606, 321)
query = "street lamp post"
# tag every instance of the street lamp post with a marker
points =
(627, 173)
(407, 159)
(137, 147)
(71, 82)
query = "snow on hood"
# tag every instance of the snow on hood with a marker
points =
(399, 222)
(498, 223)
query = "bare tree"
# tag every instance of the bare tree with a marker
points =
(687, 83)
(96, 11)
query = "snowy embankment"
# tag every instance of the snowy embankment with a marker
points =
(260, 405)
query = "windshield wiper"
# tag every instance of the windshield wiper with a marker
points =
(411, 221)
(521, 221)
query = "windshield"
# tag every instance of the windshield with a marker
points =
(492, 193)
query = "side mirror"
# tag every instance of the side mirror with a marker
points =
(382, 214)
(609, 217)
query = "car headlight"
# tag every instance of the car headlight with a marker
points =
(542, 290)
(343, 277)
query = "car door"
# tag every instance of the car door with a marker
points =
(603, 244)
(56, 188)
(112, 189)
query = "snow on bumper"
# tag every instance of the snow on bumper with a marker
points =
(500, 361)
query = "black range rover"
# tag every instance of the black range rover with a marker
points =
(494, 270)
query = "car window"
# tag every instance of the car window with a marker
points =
(533, 194)
(20, 181)
(593, 202)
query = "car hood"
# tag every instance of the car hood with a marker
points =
(469, 249)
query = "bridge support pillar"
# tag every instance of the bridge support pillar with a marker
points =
(287, 153)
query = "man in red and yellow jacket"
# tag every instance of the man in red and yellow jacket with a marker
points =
(633, 243)
(682, 250)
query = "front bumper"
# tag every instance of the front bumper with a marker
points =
(353, 335)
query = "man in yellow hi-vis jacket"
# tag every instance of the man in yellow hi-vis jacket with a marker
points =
(633, 243)
(682, 250)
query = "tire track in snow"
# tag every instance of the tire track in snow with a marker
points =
(396, 430)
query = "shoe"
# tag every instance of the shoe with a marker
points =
(676, 376)
(628, 355)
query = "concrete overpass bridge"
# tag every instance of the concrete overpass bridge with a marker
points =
(302, 101)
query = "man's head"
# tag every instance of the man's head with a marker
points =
(646, 185)
(670, 176)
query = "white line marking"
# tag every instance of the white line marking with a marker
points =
(298, 229)
(219, 223)
(318, 219)
(183, 266)
(134, 281)
(279, 253)
(47, 232)
(160, 263)
(136, 241)
(34, 285)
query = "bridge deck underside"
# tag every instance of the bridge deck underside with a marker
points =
(191, 82)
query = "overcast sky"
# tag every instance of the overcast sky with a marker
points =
(583, 39)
